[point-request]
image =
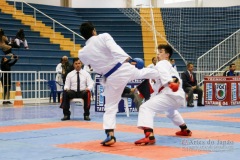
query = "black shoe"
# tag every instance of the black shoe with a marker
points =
(65, 118)
(190, 105)
(200, 105)
(8, 102)
(87, 118)
(5, 102)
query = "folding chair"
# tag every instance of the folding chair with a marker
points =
(53, 90)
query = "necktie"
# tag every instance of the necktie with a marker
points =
(78, 82)
(191, 77)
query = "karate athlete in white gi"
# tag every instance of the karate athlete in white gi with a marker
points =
(168, 100)
(110, 60)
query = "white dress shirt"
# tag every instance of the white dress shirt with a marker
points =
(85, 81)
(102, 53)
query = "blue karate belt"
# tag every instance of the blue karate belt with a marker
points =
(113, 70)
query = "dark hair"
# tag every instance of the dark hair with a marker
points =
(86, 30)
(190, 63)
(1, 34)
(167, 48)
(75, 59)
(232, 64)
(3, 59)
(153, 58)
(21, 30)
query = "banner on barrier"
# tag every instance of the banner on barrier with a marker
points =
(100, 98)
(221, 90)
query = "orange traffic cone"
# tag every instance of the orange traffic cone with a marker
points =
(18, 95)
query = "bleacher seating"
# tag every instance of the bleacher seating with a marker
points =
(194, 31)
(42, 55)
(126, 32)
(198, 31)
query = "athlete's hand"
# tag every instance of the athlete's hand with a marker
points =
(173, 86)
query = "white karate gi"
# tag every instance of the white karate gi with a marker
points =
(102, 53)
(155, 85)
(165, 101)
(59, 79)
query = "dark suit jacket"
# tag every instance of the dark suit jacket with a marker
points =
(187, 81)
(227, 73)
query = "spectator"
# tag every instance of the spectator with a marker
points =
(78, 85)
(231, 71)
(190, 86)
(6, 77)
(66, 68)
(7, 49)
(131, 93)
(20, 38)
(154, 62)
(59, 79)
(173, 63)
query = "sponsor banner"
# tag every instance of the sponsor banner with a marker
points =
(233, 91)
(209, 90)
(219, 90)
(100, 98)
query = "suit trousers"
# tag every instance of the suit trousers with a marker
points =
(190, 92)
(70, 94)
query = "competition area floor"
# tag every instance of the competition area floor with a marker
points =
(35, 132)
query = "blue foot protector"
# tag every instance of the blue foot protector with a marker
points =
(110, 140)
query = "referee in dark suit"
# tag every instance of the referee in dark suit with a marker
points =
(190, 86)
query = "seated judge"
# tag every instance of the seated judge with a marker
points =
(78, 85)
(231, 71)
(190, 86)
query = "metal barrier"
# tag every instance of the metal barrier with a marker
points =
(34, 85)
(219, 56)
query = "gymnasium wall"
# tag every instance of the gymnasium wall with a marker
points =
(204, 3)
(123, 3)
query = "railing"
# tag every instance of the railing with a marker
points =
(53, 20)
(133, 14)
(218, 57)
(34, 85)
(154, 27)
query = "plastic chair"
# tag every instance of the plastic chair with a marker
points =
(125, 100)
(53, 91)
(75, 102)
